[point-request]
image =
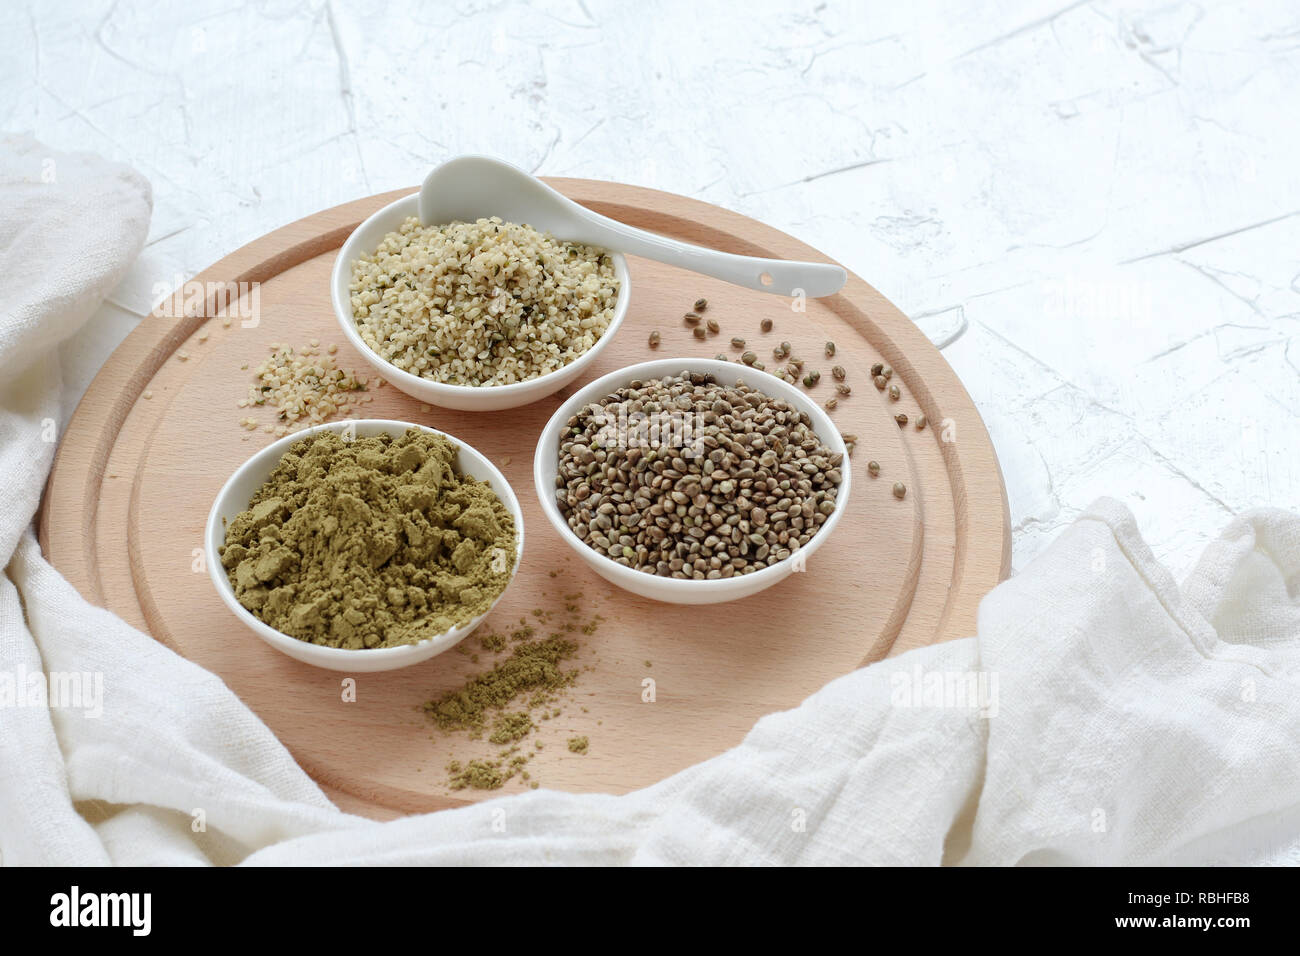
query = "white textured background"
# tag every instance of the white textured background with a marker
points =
(1099, 203)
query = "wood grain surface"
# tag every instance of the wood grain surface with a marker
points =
(134, 478)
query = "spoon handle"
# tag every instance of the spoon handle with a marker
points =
(777, 276)
(461, 188)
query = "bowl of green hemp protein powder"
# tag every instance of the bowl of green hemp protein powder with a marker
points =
(364, 545)
(692, 481)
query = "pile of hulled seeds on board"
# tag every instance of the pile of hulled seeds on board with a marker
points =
(742, 482)
(795, 371)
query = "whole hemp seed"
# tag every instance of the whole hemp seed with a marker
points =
(887, 372)
(737, 343)
(877, 369)
(749, 358)
(654, 340)
(900, 490)
(839, 373)
(691, 318)
(713, 326)
(894, 393)
(766, 325)
(830, 350)
(811, 379)
(901, 418)
(700, 332)
(831, 403)
(843, 389)
(701, 305)
(880, 382)
(708, 481)
(873, 469)
(920, 422)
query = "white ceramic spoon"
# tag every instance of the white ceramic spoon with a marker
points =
(473, 187)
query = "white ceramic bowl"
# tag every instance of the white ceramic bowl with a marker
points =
(680, 590)
(239, 489)
(365, 239)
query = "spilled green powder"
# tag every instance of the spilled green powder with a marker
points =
(487, 774)
(511, 727)
(492, 642)
(507, 703)
(532, 668)
(477, 774)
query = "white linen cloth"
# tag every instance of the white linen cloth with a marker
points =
(1119, 719)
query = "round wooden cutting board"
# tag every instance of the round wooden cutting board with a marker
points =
(661, 687)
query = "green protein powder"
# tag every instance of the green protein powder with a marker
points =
(373, 542)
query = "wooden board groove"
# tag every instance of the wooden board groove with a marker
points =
(897, 574)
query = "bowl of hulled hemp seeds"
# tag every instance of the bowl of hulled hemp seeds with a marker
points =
(364, 545)
(478, 316)
(692, 481)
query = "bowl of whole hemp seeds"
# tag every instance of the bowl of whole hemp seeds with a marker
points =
(477, 316)
(692, 481)
(364, 545)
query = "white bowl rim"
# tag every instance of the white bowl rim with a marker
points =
(657, 368)
(277, 637)
(343, 313)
